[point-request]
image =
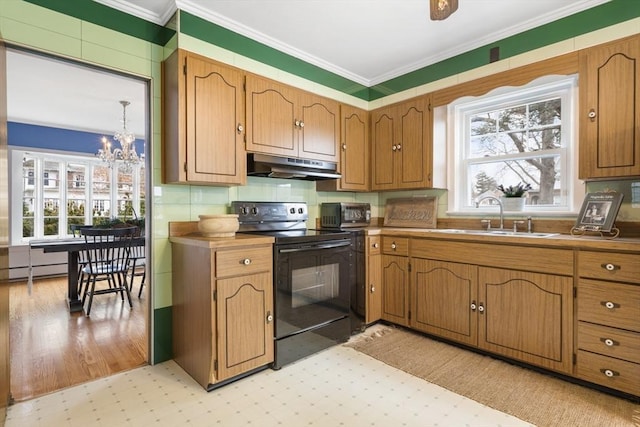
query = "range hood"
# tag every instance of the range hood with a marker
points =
(290, 167)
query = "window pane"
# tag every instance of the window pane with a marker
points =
(101, 193)
(542, 173)
(51, 190)
(27, 217)
(76, 194)
(125, 194)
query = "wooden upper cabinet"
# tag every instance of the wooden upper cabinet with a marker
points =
(401, 145)
(354, 152)
(285, 121)
(610, 110)
(203, 109)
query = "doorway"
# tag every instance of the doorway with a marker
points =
(58, 108)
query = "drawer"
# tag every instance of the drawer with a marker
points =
(609, 266)
(395, 246)
(243, 261)
(609, 304)
(609, 372)
(373, 245)
(609, 341)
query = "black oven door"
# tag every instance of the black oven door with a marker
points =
(311, 284)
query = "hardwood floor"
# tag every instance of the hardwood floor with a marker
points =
(53, 349)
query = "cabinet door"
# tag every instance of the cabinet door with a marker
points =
(271, 117)
(527, 316)
(319, 128)
(244, 323)
(214, 115)
(444, 299)
(203, 109)
(383, 125)
(413, 154)
(374, 280)
(354, 152)
(395, 289)
(610, 110)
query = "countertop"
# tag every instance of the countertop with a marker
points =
(197, 239)
(558, 241)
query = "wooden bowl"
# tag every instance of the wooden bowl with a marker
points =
(218, 225)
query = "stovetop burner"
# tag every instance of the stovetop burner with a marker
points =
(286, 221)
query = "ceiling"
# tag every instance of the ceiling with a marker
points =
(366, 41)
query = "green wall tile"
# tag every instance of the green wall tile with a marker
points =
(107, 37)
(38, 38)
(115, 59)
(105, 16)
(42, 18)
(162, 343)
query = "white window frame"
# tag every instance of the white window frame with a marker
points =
(17, 190)
(572, 189)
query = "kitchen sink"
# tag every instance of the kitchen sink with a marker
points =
(492, 232)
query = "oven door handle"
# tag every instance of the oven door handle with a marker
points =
(315, 247)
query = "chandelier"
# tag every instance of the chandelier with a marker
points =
(442, 9)
(127, 151)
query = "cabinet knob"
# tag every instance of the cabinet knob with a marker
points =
(344, 147)
(398, 147)
(610, 267)
(301, 124)
(609, 342)
(240, 128)
(473, 306)
(592, 115)
(376, 245)
(481, 308)
(246, 261)
(393, 246)
(393, 147)
(610, 304)
(610, 373)
(296, 123)
(269, 317)
(372, 289)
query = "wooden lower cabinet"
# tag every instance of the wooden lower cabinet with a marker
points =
(526, 316)
(222, 311)
(444, 298)
(608, 320)
(395, 289)
(373, 280)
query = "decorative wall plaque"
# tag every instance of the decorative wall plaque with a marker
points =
(415, 212)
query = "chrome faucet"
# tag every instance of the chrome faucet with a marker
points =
(499, 204)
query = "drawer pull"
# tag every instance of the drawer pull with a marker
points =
(609, 342)
(376, 245)
(609, 373)
(246, 261)
(393, 246)
(610, 267)
(610, 305)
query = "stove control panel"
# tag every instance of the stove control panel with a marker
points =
(265, 212)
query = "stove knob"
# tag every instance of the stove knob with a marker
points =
(300, 210)
(292, 211)
(244, 210)
(254, 210)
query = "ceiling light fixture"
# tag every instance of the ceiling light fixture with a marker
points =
(442, 9)
(127, 152)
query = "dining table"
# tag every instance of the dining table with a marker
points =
(72, 246)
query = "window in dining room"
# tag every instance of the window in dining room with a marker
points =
(57, 191)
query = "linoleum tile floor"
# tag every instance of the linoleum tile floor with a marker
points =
(336, 387)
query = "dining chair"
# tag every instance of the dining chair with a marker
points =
(108, 255)
(82, 262)
(138, 266)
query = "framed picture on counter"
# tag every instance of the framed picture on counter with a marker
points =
(599, 211)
